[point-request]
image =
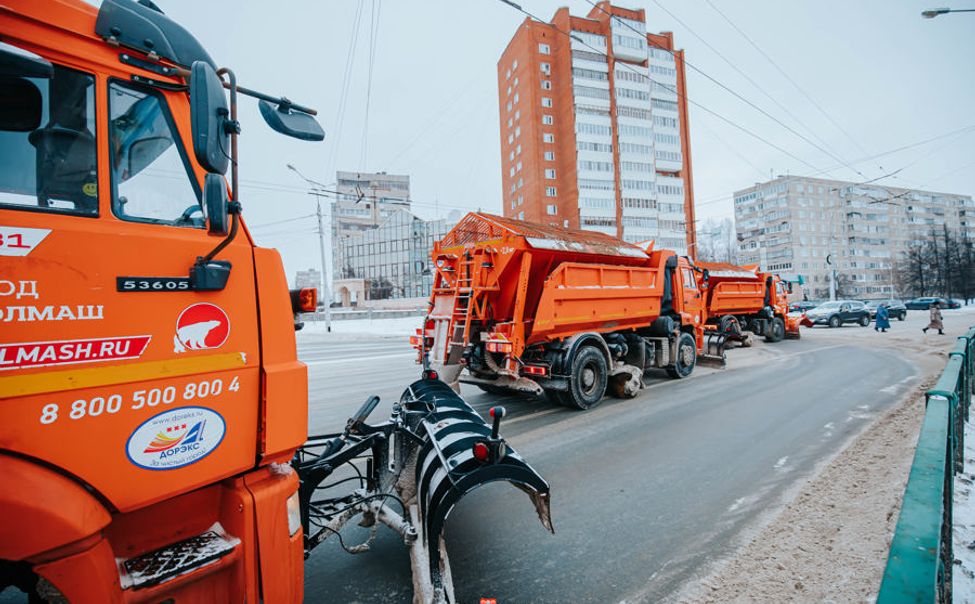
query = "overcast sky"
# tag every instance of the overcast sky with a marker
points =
(884, 75)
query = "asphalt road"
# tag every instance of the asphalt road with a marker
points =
(645, 492)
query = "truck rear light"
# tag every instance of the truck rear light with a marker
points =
(504, 347)
(304, 300)
(534, 370)
(294, 514)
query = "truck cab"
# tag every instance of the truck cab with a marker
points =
(147, 408)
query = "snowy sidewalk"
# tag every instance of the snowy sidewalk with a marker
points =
(400, 328)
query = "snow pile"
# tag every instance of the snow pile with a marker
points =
(402, 327)
(963, 524)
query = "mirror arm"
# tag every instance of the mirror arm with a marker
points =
(233, 208)
(233, 127)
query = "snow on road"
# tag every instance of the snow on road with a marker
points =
(400, 327)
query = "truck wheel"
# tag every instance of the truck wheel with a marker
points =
(755, 326)
(865, 321)
(902, 316)
(776, 331)
(587, 384)
(686, 357)
(729, 326)
(834, 321)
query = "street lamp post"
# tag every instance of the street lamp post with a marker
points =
(326, 294)
(931, 13)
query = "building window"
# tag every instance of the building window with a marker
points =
(511, 171)
(546, 68)
(517, 131)
(550, 192)
(548, 137)
(516, 82)
(517, 150)
(550, 173)
(548, 120)
(511, 138)
(509, 105)
(546, 84)
(518, 114)
(544, 49)
(550, 156)
(510, 122)
(521, 183)
(521, 215)
(551, 209)
(516, 98)
(511, 156)
(507, 75)
(546, 101)
(518, 167)
(514, 65)
(509, 90)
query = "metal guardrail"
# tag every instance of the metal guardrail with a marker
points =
(920, 561)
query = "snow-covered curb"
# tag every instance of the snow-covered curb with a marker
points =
(402, 327)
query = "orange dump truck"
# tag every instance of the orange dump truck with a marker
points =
(740, 299)
(153, 412)
(565, 312)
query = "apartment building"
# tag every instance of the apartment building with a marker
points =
(809, 226)
(594, 130)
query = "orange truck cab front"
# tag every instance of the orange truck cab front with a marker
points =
(150, 400)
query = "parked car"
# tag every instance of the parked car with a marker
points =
(952, 303)
(925, 302)
(835, 314)
(895, 308)
(804, 305)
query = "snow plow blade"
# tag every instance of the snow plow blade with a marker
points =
(461, 453)
(792, 324)
(714, 346)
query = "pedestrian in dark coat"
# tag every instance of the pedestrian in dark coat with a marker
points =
(935, 319)
(882, 322)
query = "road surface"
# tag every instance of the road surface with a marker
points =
(645, 492)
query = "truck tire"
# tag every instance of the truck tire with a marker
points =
(729, 326)
(864, 321)
(902, 316)
(776, 331)
(755, 326)
(834, 321)
(686, 357)
(588, 379)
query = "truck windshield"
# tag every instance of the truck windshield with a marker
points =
(47, 142)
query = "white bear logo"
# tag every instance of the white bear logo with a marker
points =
(193, 336)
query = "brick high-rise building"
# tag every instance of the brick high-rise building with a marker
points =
(594, 130)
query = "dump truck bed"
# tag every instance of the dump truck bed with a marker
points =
(734, 290)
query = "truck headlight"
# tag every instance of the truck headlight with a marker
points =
(294, 514)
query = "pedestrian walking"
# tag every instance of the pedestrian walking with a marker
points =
(882, 322)
(935, 319)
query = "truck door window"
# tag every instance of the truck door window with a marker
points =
(689, 281)
(47, 142)
(150, 178)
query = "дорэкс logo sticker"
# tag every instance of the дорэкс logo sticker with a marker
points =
(176, 438)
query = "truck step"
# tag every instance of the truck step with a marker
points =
(179, 558)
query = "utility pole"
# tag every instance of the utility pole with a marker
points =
(326, 294)
(317, 189)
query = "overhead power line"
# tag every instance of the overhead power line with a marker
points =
(729, 89)
(788, 77)
(661, 84)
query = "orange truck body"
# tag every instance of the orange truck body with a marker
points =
(743, 298)
(513, 301)
(120, 434)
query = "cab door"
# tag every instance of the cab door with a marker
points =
(691, 293)
(112, 368)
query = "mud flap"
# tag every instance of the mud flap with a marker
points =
(447, 469)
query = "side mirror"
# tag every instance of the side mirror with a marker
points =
(292, 123)
(215, 203)
(209, 118)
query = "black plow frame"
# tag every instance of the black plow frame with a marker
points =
(434, 450)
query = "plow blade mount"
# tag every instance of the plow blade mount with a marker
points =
(461, 453)
(713, 354)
